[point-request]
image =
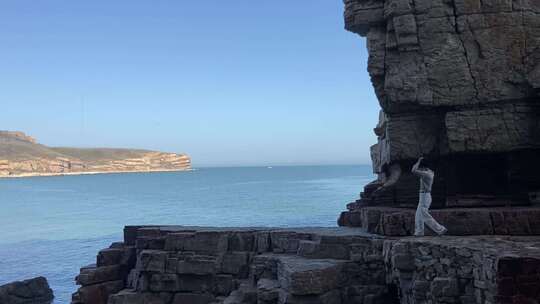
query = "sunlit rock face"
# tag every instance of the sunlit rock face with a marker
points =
(458, 81)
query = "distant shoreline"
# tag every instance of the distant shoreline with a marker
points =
(41, 174)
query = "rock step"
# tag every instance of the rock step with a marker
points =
(245, 294)
(301, 266)
(336, 247)
(289, 278)
(303, 276)
(459, 221)
(267, 291)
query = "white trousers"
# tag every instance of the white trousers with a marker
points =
(423, 217)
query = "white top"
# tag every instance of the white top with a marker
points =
(426, 177)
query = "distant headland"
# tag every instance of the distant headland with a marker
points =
(21, 156)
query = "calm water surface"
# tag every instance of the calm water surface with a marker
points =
(51, 226)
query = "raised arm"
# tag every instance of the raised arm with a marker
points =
(415, 169)
(415, 166)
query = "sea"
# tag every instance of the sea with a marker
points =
(52, 226)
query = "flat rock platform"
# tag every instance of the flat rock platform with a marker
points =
(177, 264)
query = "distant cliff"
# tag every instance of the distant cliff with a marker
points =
(21, 155)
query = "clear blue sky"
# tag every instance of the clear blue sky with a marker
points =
(238, 82)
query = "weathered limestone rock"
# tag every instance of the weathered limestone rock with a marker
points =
(329, 266)
(33, 291)
(308, 277)
(109, 274)
(92, 275)
(132, 297)
(459, 221)
(197, 265)
(97, 293)
(460, 52)
(464, 270)
(267, 291)
(498, 129)
(212, 265)
(458, 82)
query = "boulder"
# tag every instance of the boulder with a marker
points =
(32, 291)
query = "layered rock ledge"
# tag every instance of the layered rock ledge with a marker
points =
(175, 264)
(459, 221)
(22, 155)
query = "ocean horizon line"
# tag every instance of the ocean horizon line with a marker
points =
(277, 165)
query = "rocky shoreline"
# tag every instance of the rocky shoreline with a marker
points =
(23, 175)
(458, 82)
(23, 156)
(202, 265)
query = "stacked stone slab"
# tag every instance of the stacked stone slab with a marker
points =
(458, 82)
(174, 265)
(460, 221)
(107, 276)
(464, 270)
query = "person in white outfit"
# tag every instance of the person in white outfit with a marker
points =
(422, 212)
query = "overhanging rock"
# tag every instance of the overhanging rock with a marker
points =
(458, 82)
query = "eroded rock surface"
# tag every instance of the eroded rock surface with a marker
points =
(449, 52)
(33, 291)
(177, 265)
(459, 221)
(458, 82)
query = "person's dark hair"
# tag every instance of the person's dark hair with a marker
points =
(426, 163)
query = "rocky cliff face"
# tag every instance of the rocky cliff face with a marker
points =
(149, 161)
(21, 155)
(459, 82)
(18, 135)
